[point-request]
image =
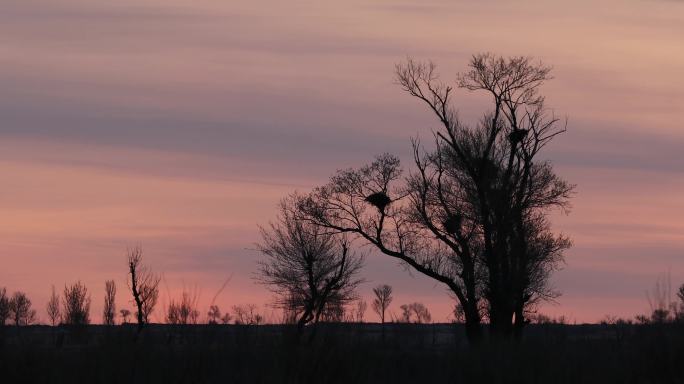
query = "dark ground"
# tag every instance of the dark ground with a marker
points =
(340, 353)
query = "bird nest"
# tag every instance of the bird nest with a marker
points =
(452, 224)
(379, 199)
(518, 135)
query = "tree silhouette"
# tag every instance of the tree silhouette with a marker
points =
(308, 269)
(382, 301)
(144, 286)
(247, 315)
(52, 308)
(4, 307)
(214, 315)
(679, 306)
(76, 305)
(125, 313)
(360, 311)
(473, 215)
(512, 190)
(109, 310)
(183, 311)
(226, 318)
(415, 313)
(20, 309)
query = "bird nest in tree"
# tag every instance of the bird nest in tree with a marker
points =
(452, 224)
(518, 135)
(379, 199)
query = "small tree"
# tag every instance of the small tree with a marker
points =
(53, 309)
(383, 298)
(125, 313)
(680, 305)
(109, 311)
(659, 300)
(306, 267)
(4, 307)
(144, 286)
(247, 315)
(415, 313)
(361, 307)
(214, 315)
(183, 311)
(76, 305)
(226, 318)
(20, 309)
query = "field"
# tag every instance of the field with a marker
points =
(340, 353)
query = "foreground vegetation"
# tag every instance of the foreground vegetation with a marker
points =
(340, 353)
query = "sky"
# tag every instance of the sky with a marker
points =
(179, 125)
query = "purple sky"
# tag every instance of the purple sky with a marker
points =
(180, 124)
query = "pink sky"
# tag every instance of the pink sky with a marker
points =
(179, 124)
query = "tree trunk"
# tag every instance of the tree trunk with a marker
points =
(501, 320)
(474, 333)
(473, 324)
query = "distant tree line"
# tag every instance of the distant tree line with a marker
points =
(72, 308)
(338, 300)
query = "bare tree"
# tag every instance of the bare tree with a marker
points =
(361, 307)
(183, 311)
(679, 306)
(308, 269)
(473, 214)
(109, 311)
(52, 308)
(247, 315)
(4, 307)
(76, 305)
(226, 318)
(144, 285)
(20, 309)
(659, 299)
(415, 313)
(214, 315)
(125, 313)
(382, 301)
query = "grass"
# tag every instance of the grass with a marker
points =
(340, 353)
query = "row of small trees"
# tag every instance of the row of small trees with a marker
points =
(72, 309)
(331, 304)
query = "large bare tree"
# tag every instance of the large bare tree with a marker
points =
(144, 286)
(472, 215)
(307, 268)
